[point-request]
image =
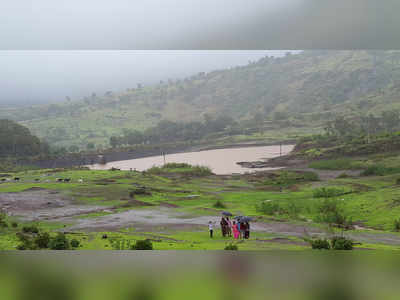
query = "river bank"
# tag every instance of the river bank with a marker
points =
(140, 151)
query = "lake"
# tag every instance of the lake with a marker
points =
(221, 161)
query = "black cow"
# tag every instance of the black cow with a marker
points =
(59, 179)
(3, 179)
(37, 179)
(67, 179)
(16, 178)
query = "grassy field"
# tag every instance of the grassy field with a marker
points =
(286, 207)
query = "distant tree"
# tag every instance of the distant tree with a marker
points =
(90, 146)
(390, 120)
(73, 148)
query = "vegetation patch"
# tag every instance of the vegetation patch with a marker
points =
(181, 168)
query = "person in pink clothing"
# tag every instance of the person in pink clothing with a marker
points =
(235, 230)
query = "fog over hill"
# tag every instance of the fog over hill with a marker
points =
(31, 77)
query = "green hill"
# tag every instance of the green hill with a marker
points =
(306, 89)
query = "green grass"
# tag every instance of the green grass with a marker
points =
(337, 164)
(373, 201)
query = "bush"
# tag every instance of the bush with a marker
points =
(341, 243)
(143, 245)
(231, 247)
(42, 240)
(320, 244)
(30, 229)
(397, 225)
(14, 224)
(379, 170)
(75, 243)
(398, 181)
(269, 208)
(219, 204)
(343, 175)
(26, 242)
(330, 212)
(181, 168)
(328, 192)
(60, 242)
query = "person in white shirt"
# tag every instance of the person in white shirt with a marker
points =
(211, 228)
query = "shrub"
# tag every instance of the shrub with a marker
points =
(398, 181)
(397, 225)
(341, 243)
(30, 229)
(14, 224)
(26, 242)
(343, 175)
(320, 244)
(327, 192)
(269, 208)
(75, 243)
(379, 170)
(219, 204)
(60, 242)
(3, 222)
(42, 240)
(143, 245)
(330, 212)
(181, 168)
(231, 247)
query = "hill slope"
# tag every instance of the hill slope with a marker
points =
(309, 88)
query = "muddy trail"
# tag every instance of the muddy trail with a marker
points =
(39, 204)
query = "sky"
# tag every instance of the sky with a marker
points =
(31, 77)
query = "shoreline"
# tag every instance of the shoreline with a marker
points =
(85, 159)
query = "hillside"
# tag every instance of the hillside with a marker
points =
(306, 89)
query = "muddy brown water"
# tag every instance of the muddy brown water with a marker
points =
(221, 161)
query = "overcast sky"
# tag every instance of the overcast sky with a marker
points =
(28, 77)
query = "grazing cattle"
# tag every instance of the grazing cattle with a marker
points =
(67, 179)
(80, 180)
(104, 236)
(16, 178)
(37, 180)
(3, 179)
(59, 179)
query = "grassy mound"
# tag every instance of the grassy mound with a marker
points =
(180, 168)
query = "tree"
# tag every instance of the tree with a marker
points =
(90, 146)
(390, 120)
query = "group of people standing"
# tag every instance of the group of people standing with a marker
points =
(238, 228)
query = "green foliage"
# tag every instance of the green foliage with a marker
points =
(219, 204)
(324, 85)
(142, 245)
(285, 178)
(60, 242)
(269, 208)
(380, 170)
(75, 243)
(335, 243)
(42, 240)
(397, 225)
(30, 229)
(273, 207)
(181, 168)
(341, 243)
(231, 247)
(320, 244)
(121, 244)
(328, 192)
(16, 141)
(3, 222)
(336, 164)
(330, 211)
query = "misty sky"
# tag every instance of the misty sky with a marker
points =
(29, 77)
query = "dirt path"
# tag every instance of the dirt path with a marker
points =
(40, 204)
